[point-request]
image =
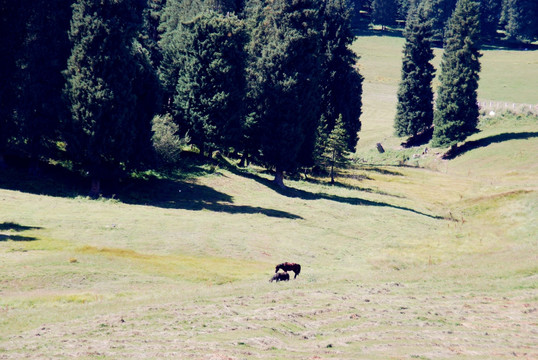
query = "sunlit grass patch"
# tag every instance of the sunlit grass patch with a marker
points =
(45, 298)
(211, 270)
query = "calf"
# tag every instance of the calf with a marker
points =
(280, 276)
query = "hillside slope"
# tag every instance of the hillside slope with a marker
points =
(425, 258)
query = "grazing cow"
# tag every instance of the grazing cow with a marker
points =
(287, 266)
(281, 276)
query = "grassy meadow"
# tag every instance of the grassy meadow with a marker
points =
(408, 256)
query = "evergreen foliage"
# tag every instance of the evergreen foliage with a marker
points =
(335, 148)
(211, 86)
(149, 33)
(268, 78)
(456, 116)
(100, 88)
(43, 56)
(285, 84)
(414, 111)
(172, 42)
(341, 82)
(384, 12)
(167, 141)
(490, 14)
(438, 12)
(12, 23)
(520, 19)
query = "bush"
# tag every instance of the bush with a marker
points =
(166, 141)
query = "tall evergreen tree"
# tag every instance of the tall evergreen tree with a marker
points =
(414, 111)
(438, 12)
(211, 87)
(174, 16)
(341, 82)
(520, 19)
(12, 27)
(456, 116)
(100, 92)
(148, 93)
(361, 14)
(490, 14)
(284, 81)
(150, 34)
(44, 55)
(384, 12)
(335, 147)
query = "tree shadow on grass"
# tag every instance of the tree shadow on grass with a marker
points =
(173, 192)
(306, 195)
(352, 187)
(475, 144)
(16, 238)
(11, 226)
(16, 227)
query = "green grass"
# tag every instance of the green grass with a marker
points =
(424, 258)
(506, 76)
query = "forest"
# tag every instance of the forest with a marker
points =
(107, 88)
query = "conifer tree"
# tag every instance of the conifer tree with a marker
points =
(12, 28)
(102, 128)
(456, 115)
(150, 34)
(174, 15)
(438, 13)
(284, 81)
(384, 12)
(335, 151)
(341, 82)
(520, 19)
(490, 13)
(211, 87)
(43, 57)
(414, 111)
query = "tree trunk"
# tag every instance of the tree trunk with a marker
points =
(279, 178)
(95, 189)
(244, 160)
(332, 166)
(3, 164)
(34, 169)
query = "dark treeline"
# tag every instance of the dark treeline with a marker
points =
(512, 20)
(109, 87)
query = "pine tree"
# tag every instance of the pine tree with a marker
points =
(414, 111)
(284, 81)
(384, 12)
(438, 12)
(211, 87)
(43, 57)
(150, 34)
(173, 41)
(335, 147)
(341, 82)
(12, 27)
(148, 92)
(99, 88)
(456, 116)
(520, 19)
(490, 14)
